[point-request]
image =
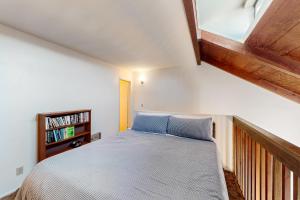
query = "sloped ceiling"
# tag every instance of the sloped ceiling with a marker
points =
(125, 33)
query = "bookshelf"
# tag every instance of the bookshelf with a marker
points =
(57, 130)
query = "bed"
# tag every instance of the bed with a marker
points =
(133, 165)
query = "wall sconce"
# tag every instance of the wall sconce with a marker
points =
(142, 79)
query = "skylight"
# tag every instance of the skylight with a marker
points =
(234, 19)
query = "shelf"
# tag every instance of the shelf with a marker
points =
(63, 150)
(77, 135)
(82, 133)
(70, 125)
(52, 114)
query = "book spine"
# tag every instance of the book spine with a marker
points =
(47, 136)
(54, 135)
(62, 134)
(46, 123)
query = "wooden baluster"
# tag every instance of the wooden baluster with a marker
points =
(249, 169)
(269, 183)
(296, 188)
(245, 166)
(253, 169)
(238, 152)
(263, 174)
(257, 169)
(286, 183)
(234, 147)
(277, 175)
(245, 163)
(242, 161)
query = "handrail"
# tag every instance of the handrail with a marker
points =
(264, 162)
(286, 152)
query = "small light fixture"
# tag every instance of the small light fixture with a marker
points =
(142, 79)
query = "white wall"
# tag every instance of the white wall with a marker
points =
(209, 90)
(37, 76)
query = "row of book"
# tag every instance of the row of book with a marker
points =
(56, 122)
(59, 135)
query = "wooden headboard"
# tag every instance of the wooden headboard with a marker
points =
(266, 166)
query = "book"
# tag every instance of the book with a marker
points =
(57, 122)
(55, 137)
(70, 131)
(58, 133)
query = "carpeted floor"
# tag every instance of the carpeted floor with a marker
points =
(233, 188)
(10, 197)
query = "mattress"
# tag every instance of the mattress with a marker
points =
(133, 165)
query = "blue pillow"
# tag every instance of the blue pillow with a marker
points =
(200, 129)
(151, 123)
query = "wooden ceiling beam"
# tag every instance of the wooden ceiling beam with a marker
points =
(190, 15)
(282, 63)
(237, 59)
(280, 18)
(277, 35)
(270, 58)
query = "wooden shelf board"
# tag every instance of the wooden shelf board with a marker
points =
(63, 150)
(77, 135)
(70, 125)
(51, 114)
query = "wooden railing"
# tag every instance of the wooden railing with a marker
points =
(266, 166)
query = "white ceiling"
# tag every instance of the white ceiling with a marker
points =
(126, 33)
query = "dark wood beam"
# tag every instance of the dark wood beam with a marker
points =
(280, 18)
(237, 59)
(283, 63)
(190, 15)
(270, 58)
(277, 35)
